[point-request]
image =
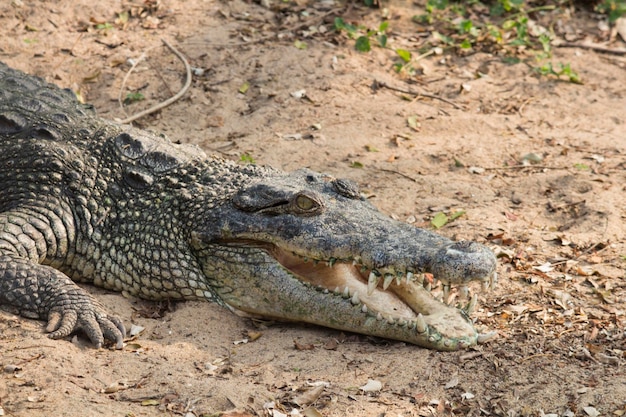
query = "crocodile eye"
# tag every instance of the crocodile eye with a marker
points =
(305, 203)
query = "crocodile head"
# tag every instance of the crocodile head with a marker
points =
(307, 247)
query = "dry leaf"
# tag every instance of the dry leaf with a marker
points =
(591, 411)
(311, 412)
(452, 383)
(372, 386)
(252, 336)
(309, 396)
(303, 346)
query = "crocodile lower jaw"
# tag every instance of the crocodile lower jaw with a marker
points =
(397, 301)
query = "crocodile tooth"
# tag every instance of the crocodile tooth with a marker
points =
(409, 277)
(471, 305)
(402, 322)
(484, 285)
(364, 308)
(391, 320)
(420, 279)
(379, 317)
(428, 286)
(355, 298)
(399, 277)
(346, 293)
(326, 291)
(420, 324)
(372, 282)
(387, 282)
(336, 290)
(331, 262)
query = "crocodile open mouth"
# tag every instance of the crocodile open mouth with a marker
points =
(391, 295)
(390, 301)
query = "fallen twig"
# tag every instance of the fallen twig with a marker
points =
(398, 173)
(381, 84)
(591, 46)
(522, 166)
(170, 100)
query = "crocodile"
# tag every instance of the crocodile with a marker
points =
(86, 200)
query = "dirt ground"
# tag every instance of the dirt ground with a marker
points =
(537, 164)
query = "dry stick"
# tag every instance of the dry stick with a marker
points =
(591, 46)
(408, 177)
(132, 68)
(522, 167)
(170, 100)
(382, 84)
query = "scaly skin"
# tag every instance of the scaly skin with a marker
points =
(84, 199)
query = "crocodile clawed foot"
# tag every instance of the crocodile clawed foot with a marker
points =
(89, 318)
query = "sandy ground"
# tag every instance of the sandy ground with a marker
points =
(557, 224)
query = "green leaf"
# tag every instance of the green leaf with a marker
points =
(413, 122)
(509, 24)
(356, 164)
(456, 214)
(423, 18)
(363, 44)
(383, 26)
(404, 54)
(582, 167)
(133, 97)
(443, 38)
(439, 220)
(382, 40)
(439, 4)
(247, 158)
(466, 26)
(466, 44)
(299, 44)
(244, 88)
(340, 24)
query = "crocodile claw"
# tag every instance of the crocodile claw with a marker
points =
(89, 318)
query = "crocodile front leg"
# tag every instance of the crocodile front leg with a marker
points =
(42, 292)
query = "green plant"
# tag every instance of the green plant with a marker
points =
(613, 8)
(363, 37)
(405, 64)
(505, 27)
(247, 158)
(564, 70)
(133, 97)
